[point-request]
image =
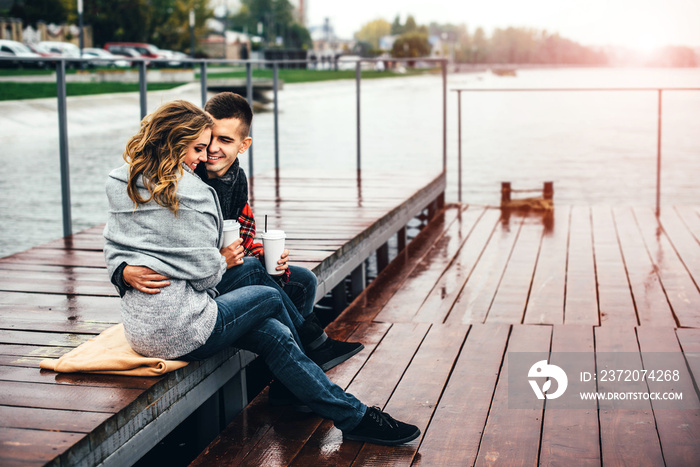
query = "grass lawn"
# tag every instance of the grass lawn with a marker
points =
(12, 90)
(19, 90)
(306, 76)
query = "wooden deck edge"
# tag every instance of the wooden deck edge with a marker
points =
(352, 254)
(132, 432)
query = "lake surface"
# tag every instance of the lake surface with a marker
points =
(597, 147)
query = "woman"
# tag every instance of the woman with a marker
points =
(164, 217)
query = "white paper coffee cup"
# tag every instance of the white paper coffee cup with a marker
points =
(273, 244)
(232, 231)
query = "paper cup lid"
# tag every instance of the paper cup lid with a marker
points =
(231, 224)
(273, 234)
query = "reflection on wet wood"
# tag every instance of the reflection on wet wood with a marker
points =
(541, 279)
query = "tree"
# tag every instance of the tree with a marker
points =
(411, 45)
(125, 20)
(276, 18)
(396, 27)
(480, 46)
(32, 11)
(170, 26)
(373, 31)
(410, 25)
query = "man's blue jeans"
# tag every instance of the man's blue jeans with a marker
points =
(255, 318)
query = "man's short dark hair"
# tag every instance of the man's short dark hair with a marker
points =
(230, 105)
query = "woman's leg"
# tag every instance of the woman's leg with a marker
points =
(323, 350)
(239, 312)
(275, 343)
(252, 272)
(254, 318)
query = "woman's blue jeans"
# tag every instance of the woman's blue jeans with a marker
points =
(255, 318)
(298, 294)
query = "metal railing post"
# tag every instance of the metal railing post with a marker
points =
(444, 115)
(143, 87)
(249, 97)
(658, 162)
(63, 146)
(203, 81)
(358, 77)
(459, 146)
(275, 82)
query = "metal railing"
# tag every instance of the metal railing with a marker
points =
(141, 64)
(459, 92)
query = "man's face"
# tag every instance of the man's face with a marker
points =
(227, 142)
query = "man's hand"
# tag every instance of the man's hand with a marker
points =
(283, 261)
(144, 279)
(233, 253)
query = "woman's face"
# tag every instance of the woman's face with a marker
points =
(197, 150)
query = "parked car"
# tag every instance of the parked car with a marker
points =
(175, 58)
(111, 59)
(44, 52)
(66, 49)
(16, 49)
(142, 48)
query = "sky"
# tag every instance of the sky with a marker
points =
(640, 24)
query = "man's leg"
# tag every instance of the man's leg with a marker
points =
(301, 289)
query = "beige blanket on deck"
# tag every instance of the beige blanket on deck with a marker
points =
(110, 353)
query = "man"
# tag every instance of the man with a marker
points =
(307, 384)
(232, 119)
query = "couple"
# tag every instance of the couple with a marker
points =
(185, 296)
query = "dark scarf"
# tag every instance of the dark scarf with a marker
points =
(232, 189)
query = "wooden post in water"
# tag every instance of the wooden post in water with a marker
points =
(548, 190)
(358, 280)
(401, 238)
(339, 298)
(505, 193)
(382, 257)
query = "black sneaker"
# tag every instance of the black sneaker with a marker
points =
(279, 396)
(332, 353)
(379, 428)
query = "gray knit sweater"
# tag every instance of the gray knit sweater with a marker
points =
(184, 247)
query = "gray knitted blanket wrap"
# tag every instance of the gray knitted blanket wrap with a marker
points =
(184, 247)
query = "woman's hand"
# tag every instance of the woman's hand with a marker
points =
(283, 261)
(233, 253)
(144, 279)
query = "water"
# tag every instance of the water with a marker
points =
(596, 147)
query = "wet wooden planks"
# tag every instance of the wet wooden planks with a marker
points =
(581, 265)
(453, 381)
(442, 364)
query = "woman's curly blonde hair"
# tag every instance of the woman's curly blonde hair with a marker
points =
(156, 152)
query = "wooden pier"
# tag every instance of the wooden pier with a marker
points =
(478, 285)
(55, 296)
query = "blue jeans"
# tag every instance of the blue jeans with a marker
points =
(298, 294)
(255, 318)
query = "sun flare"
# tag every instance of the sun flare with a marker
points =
(647, 43)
